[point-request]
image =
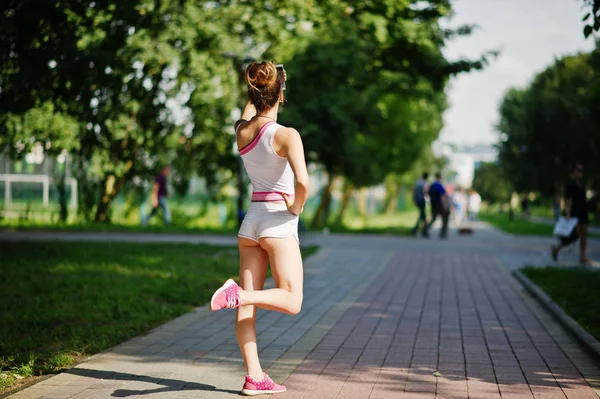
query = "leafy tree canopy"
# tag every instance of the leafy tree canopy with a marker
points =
(552, 124)
(591, 18)
(128, 86)
(489, 181)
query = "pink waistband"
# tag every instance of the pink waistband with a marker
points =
(262, 196)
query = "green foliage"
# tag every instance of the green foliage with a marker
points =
(368, 91)
(41, 126)
(112, 66)
(427, 162)
(86, 297)
(128, 86)
(146, 83)
(6, 379)
(552, 124)
(26, 368)
(591, 17)
(192, 216)
(517, 226)
(575, 290)
(60, 301)
(489, 181)
(237, 30)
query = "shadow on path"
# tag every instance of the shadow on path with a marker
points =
(169, 385)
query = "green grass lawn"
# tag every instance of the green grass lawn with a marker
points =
(399, 223)
(186, 213)
(188, 216)
(229, 228)
(575, 290)
(61, 301)
(518, 225)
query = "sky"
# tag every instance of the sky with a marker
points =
(530, 34)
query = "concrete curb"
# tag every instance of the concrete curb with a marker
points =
(585, 338)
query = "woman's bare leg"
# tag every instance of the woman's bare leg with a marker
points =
(253, 269)
(286, 265)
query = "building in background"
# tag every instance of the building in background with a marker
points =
(463, 160)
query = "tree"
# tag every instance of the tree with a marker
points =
(143, 83)
(369, 91)
(515, 126)
(489, 181)
(109, 66)
(551, 125)
(238, 30)
(136, 81)
(592, 17)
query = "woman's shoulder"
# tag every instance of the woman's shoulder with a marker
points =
(239, 124)
(285, 138)
(284, 132)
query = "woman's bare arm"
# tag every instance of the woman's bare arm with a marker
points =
(248, 113)
(290, 146)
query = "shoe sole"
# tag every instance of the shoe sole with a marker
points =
(251, 392)
(217, 292)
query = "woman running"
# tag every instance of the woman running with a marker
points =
(273, 155)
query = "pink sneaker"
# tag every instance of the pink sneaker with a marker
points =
(264, 387)
(226, 297)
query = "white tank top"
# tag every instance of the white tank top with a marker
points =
(269, 172)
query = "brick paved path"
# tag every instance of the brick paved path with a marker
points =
(380, 317)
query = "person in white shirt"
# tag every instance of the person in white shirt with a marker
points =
(273, 156)
(474, 204)
(459, 201)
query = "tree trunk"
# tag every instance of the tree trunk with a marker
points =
(362, 202)
(106, 196)
(86, 188)
(322, 214)
(346, 197)
(110, 188)
(62, 198)
(391, 194)
(59, 178)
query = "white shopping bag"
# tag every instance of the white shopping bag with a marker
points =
(564, 227)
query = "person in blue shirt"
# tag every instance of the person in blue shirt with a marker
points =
(439, 204)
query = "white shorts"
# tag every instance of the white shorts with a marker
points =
(268, 219)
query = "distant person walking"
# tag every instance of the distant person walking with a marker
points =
(576, 206)
(273, 156)
(440, 204)
(420, 202)
(459, 200)
(525, 205)
(474, 204)
(159, 197)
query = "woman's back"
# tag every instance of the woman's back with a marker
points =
(269, 172)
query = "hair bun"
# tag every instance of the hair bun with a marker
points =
(261, 75)
(264, 85)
